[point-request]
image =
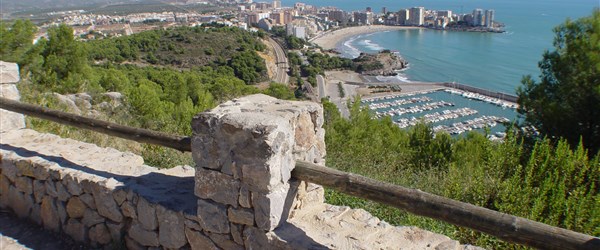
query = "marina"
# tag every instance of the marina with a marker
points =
(463, 111)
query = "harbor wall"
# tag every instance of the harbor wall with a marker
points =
(494, 94)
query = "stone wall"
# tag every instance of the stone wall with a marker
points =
(239, 196)
(9, 76)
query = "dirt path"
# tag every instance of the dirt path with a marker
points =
(22, 234)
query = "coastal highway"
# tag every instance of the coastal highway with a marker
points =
(281, 75)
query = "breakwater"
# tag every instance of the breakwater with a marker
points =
(494, 94)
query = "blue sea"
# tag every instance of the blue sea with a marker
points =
(486, 60)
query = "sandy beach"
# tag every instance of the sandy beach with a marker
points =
(330, 39)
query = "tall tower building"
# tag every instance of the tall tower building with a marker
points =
(402, 17)
(276, 4)
(416, 16)
(478, 17)
(383, 10)
(489, 18)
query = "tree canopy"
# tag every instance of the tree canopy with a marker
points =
(565, 102)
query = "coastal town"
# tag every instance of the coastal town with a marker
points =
(321, 29)
(301, 20)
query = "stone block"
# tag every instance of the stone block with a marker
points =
(245, 198)
(193, 225)
(241, 216)
(213, 216)
(146, 214)
(75, 207)
(106, 204)
(63, 194)
(269, 209)
(255, 238)
(224, 241)
(216, 186)
(199, 241)
(62, 212)
(100, 234)
(24, 184)
(51, 189)
(20, 202)
(39, 190)
(131, 244)
(9, 170)
(24, 168)
(236, 233)
(171, 228)
(142, 236)
(76, 230)
(49, 214)
(91, 218)
(88, 199)
(71, 182)
(120, 195)
(128, 210)
(4, 187)
(116, 230)
(10, 120)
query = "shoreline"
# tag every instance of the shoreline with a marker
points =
(330, 40)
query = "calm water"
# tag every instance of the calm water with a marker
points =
(490, 61)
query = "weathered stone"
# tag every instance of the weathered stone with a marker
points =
(133, 245)
(120, 195)
(213, 216)
(39, 190)
(199, 241)
(72, 183)
(20, 202)
(9, 169)
(24, 184)
(216, 186)
(63, 194)
(49, 214)
(171, 228)
(77, 230)
(244, 198)
(100, 234)
(146, 214)
(4, 187)
(255, 238)
(269, 209)
(51, 189)
(106, 204)
(193, 225)
(241, 216)
(87, 186)
(88, 199)
(10, 120)
(91, 217)
(24, 168)
(236, 233)
(224, 241)
(75, 207)
(142, 236)
(62, 212)
(116, 230)
(36, 214)
(128, 210)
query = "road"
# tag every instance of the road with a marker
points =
(281, 74)
(321, 85)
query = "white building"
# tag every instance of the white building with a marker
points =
(489, 18)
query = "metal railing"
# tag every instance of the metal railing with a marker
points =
(504, 226)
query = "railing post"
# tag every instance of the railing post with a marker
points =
(9, 76)
(244, 152)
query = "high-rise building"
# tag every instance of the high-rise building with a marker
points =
(287, 17)
(369, 9)
(337, 15)
(363, 17)
(478, 17)
(402, 17)
(277, 17)
(383, 10)
(276, 4)
(489, 18)
(416, 16)
(444, 13)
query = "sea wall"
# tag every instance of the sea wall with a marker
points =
(494, 94)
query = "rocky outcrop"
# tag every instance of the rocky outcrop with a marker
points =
(384, 63)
